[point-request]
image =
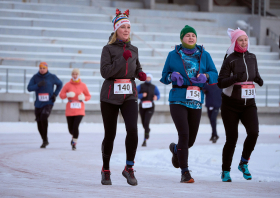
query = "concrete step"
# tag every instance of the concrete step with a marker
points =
(176, 7)
(98, 34)
(107, 26)
(101, 42)
(105, 18)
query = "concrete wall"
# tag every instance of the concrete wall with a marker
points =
(25, 113)
(260, 25)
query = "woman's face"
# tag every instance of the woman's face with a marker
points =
(123, 32)
(189, 38)
(75, 75)
(242, 41)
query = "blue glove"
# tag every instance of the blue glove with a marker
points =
(177, 77)
(201, 79)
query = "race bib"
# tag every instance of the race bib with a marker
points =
(75, 105)
(147, 104)
(193, 92)
(248, 91)
(43, 97)
(122, 86)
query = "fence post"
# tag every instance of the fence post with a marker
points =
(253, 7)
(24, 82)
(264, 8)
(260, 6)
(266, 93)
(7, 80)
(164, 102)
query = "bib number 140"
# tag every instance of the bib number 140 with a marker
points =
(122, 86)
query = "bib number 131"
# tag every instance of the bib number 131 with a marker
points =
(122, 86)
(193, 92)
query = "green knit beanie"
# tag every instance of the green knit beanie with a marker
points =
(186, 30)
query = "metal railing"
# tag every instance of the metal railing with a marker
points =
(276, 37)
(269, 90)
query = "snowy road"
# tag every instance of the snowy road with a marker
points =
(27, 171)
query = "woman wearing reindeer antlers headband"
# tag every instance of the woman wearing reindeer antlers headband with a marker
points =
(120, 66)
(238, 72)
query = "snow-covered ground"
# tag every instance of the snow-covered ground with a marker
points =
(57, 171)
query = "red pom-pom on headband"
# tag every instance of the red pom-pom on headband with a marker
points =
(126, 13)
(118, 12)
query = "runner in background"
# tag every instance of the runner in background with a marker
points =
(237, 74)
(147, 93)
(188, 67)
(43, 84)
(119, 66)
(76, 91)
(213, 104)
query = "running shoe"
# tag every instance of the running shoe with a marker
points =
(244, 169)
(105, 177)
(174, 159)
(226, 176)
(186, 177)
(128, 173)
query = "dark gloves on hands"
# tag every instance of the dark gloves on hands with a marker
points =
(127, 54)
(41, 84)
(259, 81)
(53, 98)
(142, 76)
(239, 76)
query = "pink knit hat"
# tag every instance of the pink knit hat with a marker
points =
(233, 35)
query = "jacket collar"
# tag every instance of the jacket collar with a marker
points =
(178, 47)
(240, 54)
(46, 74)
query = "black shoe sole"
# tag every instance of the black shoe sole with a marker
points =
(171, 148)
(106, 183)
(190, 181)
(128, 181)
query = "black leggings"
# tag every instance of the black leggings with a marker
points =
(212, 115)
(187, 123)
(73, 125)
(231, 114)
(146, 115)
(42, 115)
(110, 112)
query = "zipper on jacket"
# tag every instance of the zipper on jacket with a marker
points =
(246, 72)
(109, 91)
(126, 65)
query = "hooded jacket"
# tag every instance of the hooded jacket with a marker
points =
(78, 88)
(48, 88)
(235, 63)
(114, 66)
(174, 63)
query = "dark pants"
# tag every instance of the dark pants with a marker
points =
(110, 112)
(231, 114)
(187, 123)
(146, 115)
(212, 115)
(42, 115)
(73, 125)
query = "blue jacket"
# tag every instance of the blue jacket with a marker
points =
(140, 95)
(213, 96)
(174, 63)
(50, 80)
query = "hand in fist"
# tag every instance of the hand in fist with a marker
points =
(81, 96)
(70, 94)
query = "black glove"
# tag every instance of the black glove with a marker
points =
(41, 84)
(53, 98)
(258, 80)
(238, 76)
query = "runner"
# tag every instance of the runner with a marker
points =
(188, 68)
(43, 84)
(147, 93)
(120, 66)
(76, 91)
(238, 72)
(213, 104)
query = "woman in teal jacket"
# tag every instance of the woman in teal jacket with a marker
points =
(188, 68)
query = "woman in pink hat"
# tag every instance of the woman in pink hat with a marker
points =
(237, 76)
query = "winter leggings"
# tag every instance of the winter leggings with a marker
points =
(187, 122)
(110, 112)
(42, 115)
(146, 115)
(73, 125)
(249, 118)
(212, 115)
